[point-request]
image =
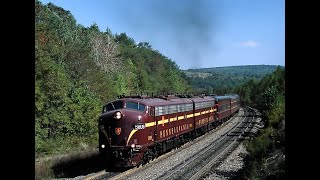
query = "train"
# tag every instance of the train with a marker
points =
(136, 129)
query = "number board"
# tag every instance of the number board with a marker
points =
(139, 126)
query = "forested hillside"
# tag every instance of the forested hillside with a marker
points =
(261, 87)
(266, 158)
(80, 68)
(222, 80)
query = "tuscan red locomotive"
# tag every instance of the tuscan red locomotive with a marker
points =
(135, 129)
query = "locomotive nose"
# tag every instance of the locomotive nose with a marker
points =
(117, 126)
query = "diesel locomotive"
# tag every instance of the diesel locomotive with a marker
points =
(136, 129)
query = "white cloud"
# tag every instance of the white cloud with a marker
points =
(250, 44)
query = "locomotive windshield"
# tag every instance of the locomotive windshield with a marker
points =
(119, 104)
(134, 105)
(112, 106)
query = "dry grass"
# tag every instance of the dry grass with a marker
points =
(43, 170)
(53, 167)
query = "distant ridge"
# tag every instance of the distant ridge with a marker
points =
(232, 67)
(228, 77)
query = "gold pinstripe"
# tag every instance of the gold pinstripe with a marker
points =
(173, 119)
(189, 115)
(130, 135)
(163, 121)
(150, 124)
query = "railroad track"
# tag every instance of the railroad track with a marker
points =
(194, 167)
(200, 165)
(101, 175)
(112, 175)
(229, 146)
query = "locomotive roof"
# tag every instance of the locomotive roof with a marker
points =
(233, 96)
(222, 97)
(172, 101)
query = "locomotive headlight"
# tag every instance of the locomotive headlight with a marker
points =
(133, 146)
(103, 146)
(117, 115)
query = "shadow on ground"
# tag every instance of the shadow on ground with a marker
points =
(80, 166)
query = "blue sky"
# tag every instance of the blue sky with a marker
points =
(194, 33)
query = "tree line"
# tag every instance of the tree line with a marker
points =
(266, 152)
(78, 69)
(224, 80)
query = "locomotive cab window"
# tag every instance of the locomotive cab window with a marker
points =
(112, 106)
(134, 105)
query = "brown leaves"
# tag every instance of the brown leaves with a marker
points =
(105, 52)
